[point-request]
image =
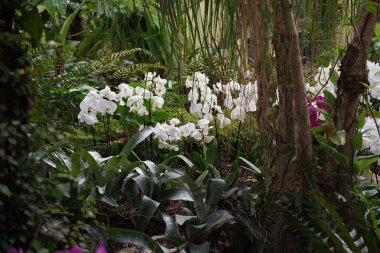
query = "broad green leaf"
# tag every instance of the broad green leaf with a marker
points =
(171, 227)
(363, 163)
(214, 192)
(175, 194)
(132, 236)
(109, 200)
(195, 233)
(135, 140)
(199, 161)
(143, 182)
(202, 177)
(211, 153)
(330, 98)
(334, 76)
(182, 157)
(147, 209)
(338, 138)
(251, 166)
(65, 27)
(153, 169)
(358, 140)
(233, 175)
(168, 176)
(361, 120)
(94, 167)
(76, 164)
(31, 22)
(161, 116)
(217, 219)
(56, 6)
(371, 6)
(182, 219)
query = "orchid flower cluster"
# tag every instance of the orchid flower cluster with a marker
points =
(323, 80)
(169, 134)
(104, 101)
(204, 105)
(204, 99)
(371, 135)
(374, 79)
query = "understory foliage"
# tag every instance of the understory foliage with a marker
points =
(138, 125)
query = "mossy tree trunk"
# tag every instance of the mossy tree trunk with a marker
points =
(339, 177)
(294, 165)
(261, 22)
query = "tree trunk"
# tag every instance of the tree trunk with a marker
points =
(294, 158)
(262, 63)
(350, 89)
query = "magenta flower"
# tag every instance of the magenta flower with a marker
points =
(15, 251)
(320, 103)
(75, 249)
(313, 105)
(101, 249)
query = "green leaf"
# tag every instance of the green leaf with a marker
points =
(65, 27)
(363, 163)
(64, 189)
(202, 177)
(361, 120)
(5, 190)
(168, 176)
(358, 140)
(199, 161)
(217, 219)
(182, 219)
(132, 236)
(330, 98)
(233, 175)
(371, 6)
(135, 140)
(251, 166)
(211, 153)
(147, 208)
(334, 76)
(338, 138)
(109, 200)
(214, 193)
(182, 157)
(153, 169)
(143, 182)
(171, 227)
(195, 233)
(94, 167)
(56, 6)
(175, 194)
(31, 22)
(161, 116)
(76, 164)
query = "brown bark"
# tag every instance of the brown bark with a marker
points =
(294, 161)
(260, 32)
(350, 89)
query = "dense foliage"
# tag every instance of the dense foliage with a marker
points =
(179, 126)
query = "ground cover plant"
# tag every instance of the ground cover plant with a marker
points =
(189, 126)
